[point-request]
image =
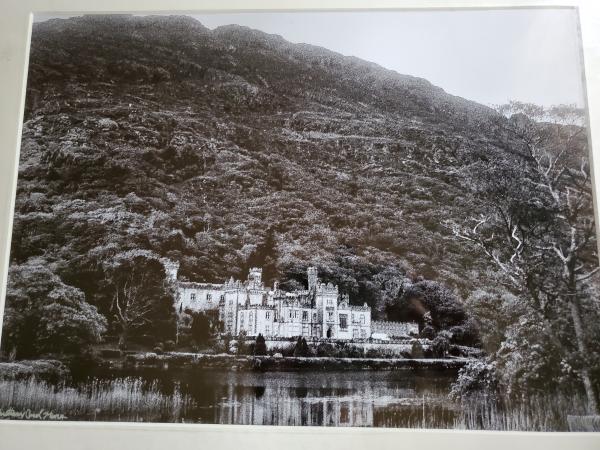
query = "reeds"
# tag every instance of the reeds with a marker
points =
(126, 399)
(535, 413)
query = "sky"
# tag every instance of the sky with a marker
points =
(490, 56)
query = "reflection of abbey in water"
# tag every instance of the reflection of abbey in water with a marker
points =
(319, 311)
(282, 405)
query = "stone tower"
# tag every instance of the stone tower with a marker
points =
(255, 276)
(312, 278)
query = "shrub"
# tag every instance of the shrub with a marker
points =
(373, 353)
(260, 346)
(417, 350)
(441, 344)
(428, 332)
(325, 349)
(47, 370)
(355, 352)
(169, 346)
(241, 348)
(301, 348)
(475, 378)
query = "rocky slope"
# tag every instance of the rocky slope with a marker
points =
(229, 148)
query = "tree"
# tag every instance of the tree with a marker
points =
(260, 346)
(416, 351)
(436, 308)
(265, 256)
(140, 297)
(202, 328)
(44, 315)
(495, 313)
(536, 217)
(301, 348)
(441, 344)
(242, 347)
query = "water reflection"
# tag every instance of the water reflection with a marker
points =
(326, 399)
(365, 398)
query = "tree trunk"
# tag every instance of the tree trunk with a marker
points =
(581, 347)
(123, 338)
(12, 355)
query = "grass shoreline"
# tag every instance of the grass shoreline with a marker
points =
(290, 363)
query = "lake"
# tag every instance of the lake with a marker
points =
(398, 398)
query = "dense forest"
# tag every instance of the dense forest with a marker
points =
(152, 137)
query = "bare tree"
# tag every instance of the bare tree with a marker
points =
(537, 223)
(130, 305)
(139, 296)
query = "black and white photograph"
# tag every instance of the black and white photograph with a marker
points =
(331, 219)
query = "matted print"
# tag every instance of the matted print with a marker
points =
(377, 219)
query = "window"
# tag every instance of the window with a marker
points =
(355, 333)
(329, 302)
(343, 321)
(290, 313)
(295, 314)
(209, 298)
(193, 297)
(242, 320)
(305, 316)
(363, 334)
(362, 319)
(330, 316)
(267, 330)
(268, 315)
(251, 317)
(314, 317)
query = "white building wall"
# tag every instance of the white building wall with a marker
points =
(198, 296)
(256, 320)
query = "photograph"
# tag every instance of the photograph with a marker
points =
(312, 218)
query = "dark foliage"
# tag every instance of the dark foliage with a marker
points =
(45, 316)
(260, 347)
(302, 348)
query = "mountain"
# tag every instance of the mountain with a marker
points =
(229, 148)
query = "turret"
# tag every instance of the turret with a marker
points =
(255, 275)
(312, 278)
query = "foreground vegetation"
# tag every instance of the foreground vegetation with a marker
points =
(537, 413)
(127, 399)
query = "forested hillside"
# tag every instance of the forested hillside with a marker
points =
(229, 148)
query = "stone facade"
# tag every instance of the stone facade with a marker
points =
(394, 329)
(251, 307)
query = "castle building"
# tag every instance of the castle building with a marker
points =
(319, 311)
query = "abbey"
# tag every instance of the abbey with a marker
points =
(319, 311)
